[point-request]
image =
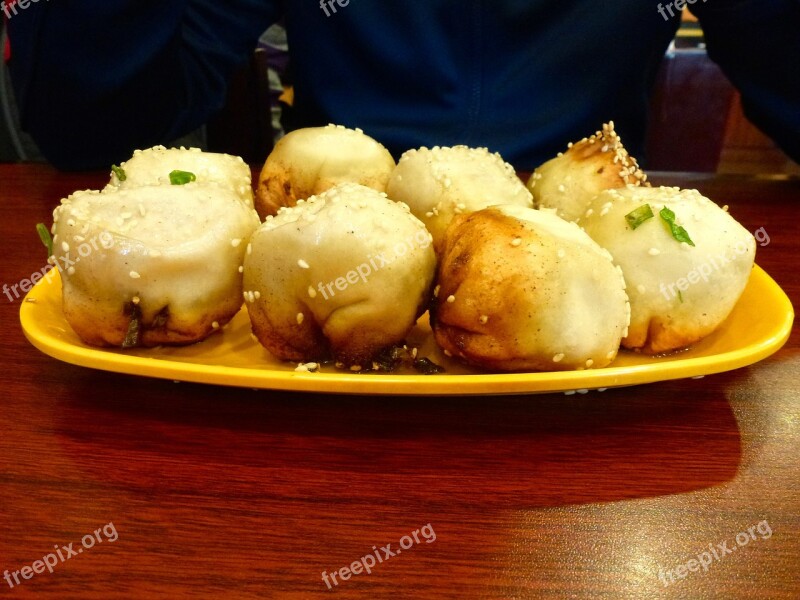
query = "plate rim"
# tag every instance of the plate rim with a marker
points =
(398, 385)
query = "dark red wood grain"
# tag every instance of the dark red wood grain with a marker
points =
(220, 492)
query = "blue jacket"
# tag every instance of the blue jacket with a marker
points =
(97, 78)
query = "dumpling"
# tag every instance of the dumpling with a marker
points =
(570, 181)
(151, 265)
(521, 289)
(311, 160)
(686, 261)
(341, 275)
(442, 182)
(153, 166)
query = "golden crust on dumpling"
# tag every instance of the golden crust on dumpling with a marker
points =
(521, 289)
(570, 181)
(311, 160)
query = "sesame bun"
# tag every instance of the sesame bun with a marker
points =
(570, 181)
(164, 257)
(443, 182)
(311, 160)
(153, 166)
(341, 275)
(679, 293)
(521, 290)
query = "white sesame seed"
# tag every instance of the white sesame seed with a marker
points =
(136, 300)
(436, 291)
(134, 275)
(484, 319)
(215, 325)
(235, 242)
(589, 363)
(249, 248)
(448, 353)
(451, 299)
(71, 271)
(302, 264)
(257, 295)
(355, 368)
(561, 188)
(516, 242)
(300, 318)
(241, 268)
(558, 357)
(65, 246)
(312, 293)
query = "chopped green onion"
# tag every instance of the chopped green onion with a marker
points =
(119, 172)
(44, 235)
(181, 177)
(678, 232)
(639, 215)
(680, 296)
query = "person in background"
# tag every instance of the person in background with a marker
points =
(98, 78)
(15, 145)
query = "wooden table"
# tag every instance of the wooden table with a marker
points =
(212, 492)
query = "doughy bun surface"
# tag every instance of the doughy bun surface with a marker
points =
(168, 253)
(309, 161)
(679, 293)
(520, 289)
(153, 166)
(442, 182)
(341, 275)
(570, 181)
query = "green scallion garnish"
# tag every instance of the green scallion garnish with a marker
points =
(44, 235)
(639, 215)
(181, 177)
(678, 232)
(119, 172)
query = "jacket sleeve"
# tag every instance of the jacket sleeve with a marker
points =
(757, 45)
(96, 79)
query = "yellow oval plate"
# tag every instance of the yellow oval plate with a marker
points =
(758, 326)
